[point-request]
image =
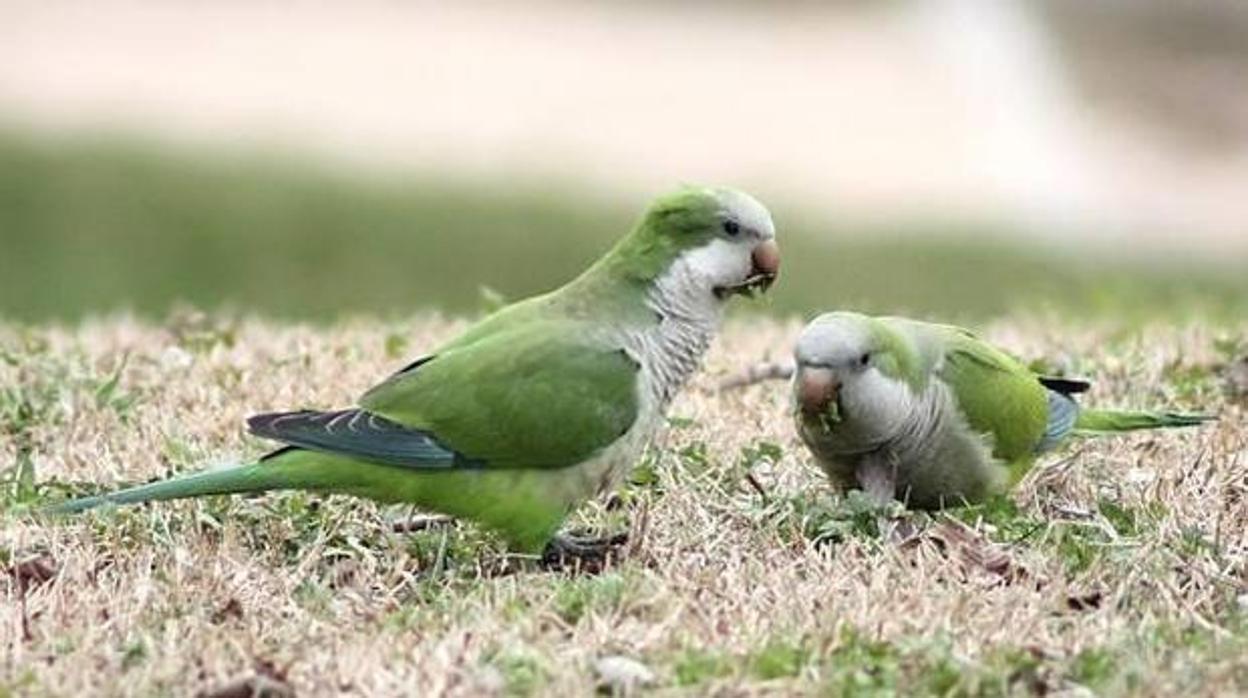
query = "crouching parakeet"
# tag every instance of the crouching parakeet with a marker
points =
(538, 406)
(930, 414)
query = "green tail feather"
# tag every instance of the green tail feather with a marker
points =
(284, 472)
(1125, 420)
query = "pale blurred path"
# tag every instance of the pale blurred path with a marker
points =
(952, 108)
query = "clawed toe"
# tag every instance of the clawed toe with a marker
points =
(589, 554)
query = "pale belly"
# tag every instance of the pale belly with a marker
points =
(952, 467)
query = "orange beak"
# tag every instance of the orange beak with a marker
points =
(767, 260)
(816, 389)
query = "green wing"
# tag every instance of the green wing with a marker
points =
(998, 395)
(542, 394)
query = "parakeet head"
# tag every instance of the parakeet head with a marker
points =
(849, 384)
(722, 240)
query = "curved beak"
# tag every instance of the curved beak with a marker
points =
(765, 260)
(817, 389)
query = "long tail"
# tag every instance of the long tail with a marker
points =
(286, 471)
(1102, 421)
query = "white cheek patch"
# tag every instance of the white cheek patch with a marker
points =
(720, 261)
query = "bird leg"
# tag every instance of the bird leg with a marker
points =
(878, 479)
(588, 553)
(759, 372)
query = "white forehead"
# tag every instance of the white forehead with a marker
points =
(834, 338)
(746, 210)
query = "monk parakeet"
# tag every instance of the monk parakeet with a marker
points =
(930, 414)
(538, 406)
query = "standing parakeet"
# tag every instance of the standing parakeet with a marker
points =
(930, 414)
(537, 407)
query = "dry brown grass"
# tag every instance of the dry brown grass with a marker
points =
(1121, 570)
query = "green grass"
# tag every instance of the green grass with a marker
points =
(94, 224)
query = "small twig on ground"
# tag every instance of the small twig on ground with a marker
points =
(763, 371)
(421, 523)
(268, 681)
(30, 574)
(253, 687)
(758, 486)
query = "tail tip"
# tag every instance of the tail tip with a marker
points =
(72, 506)
(1184, 419)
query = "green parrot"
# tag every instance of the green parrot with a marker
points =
(537, 407)
(930, 414)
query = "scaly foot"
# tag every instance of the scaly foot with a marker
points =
(589, 554)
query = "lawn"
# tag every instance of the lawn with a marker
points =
(1119, 567)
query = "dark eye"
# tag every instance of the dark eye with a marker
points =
(731, 228)
(864, 359)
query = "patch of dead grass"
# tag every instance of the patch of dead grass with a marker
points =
(1118, 566)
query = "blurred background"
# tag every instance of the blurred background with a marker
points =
(312, 159)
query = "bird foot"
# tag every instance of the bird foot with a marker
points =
(586, 554)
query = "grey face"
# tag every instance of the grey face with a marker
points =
(836, 340)
(840, 393)
(745, 230)
(745, 213)
(834, 349)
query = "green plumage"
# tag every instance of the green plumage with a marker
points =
(1110, 421)
(996, 394)
(478, 397)
(525, 506)
(951, 417)
(523, 416)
